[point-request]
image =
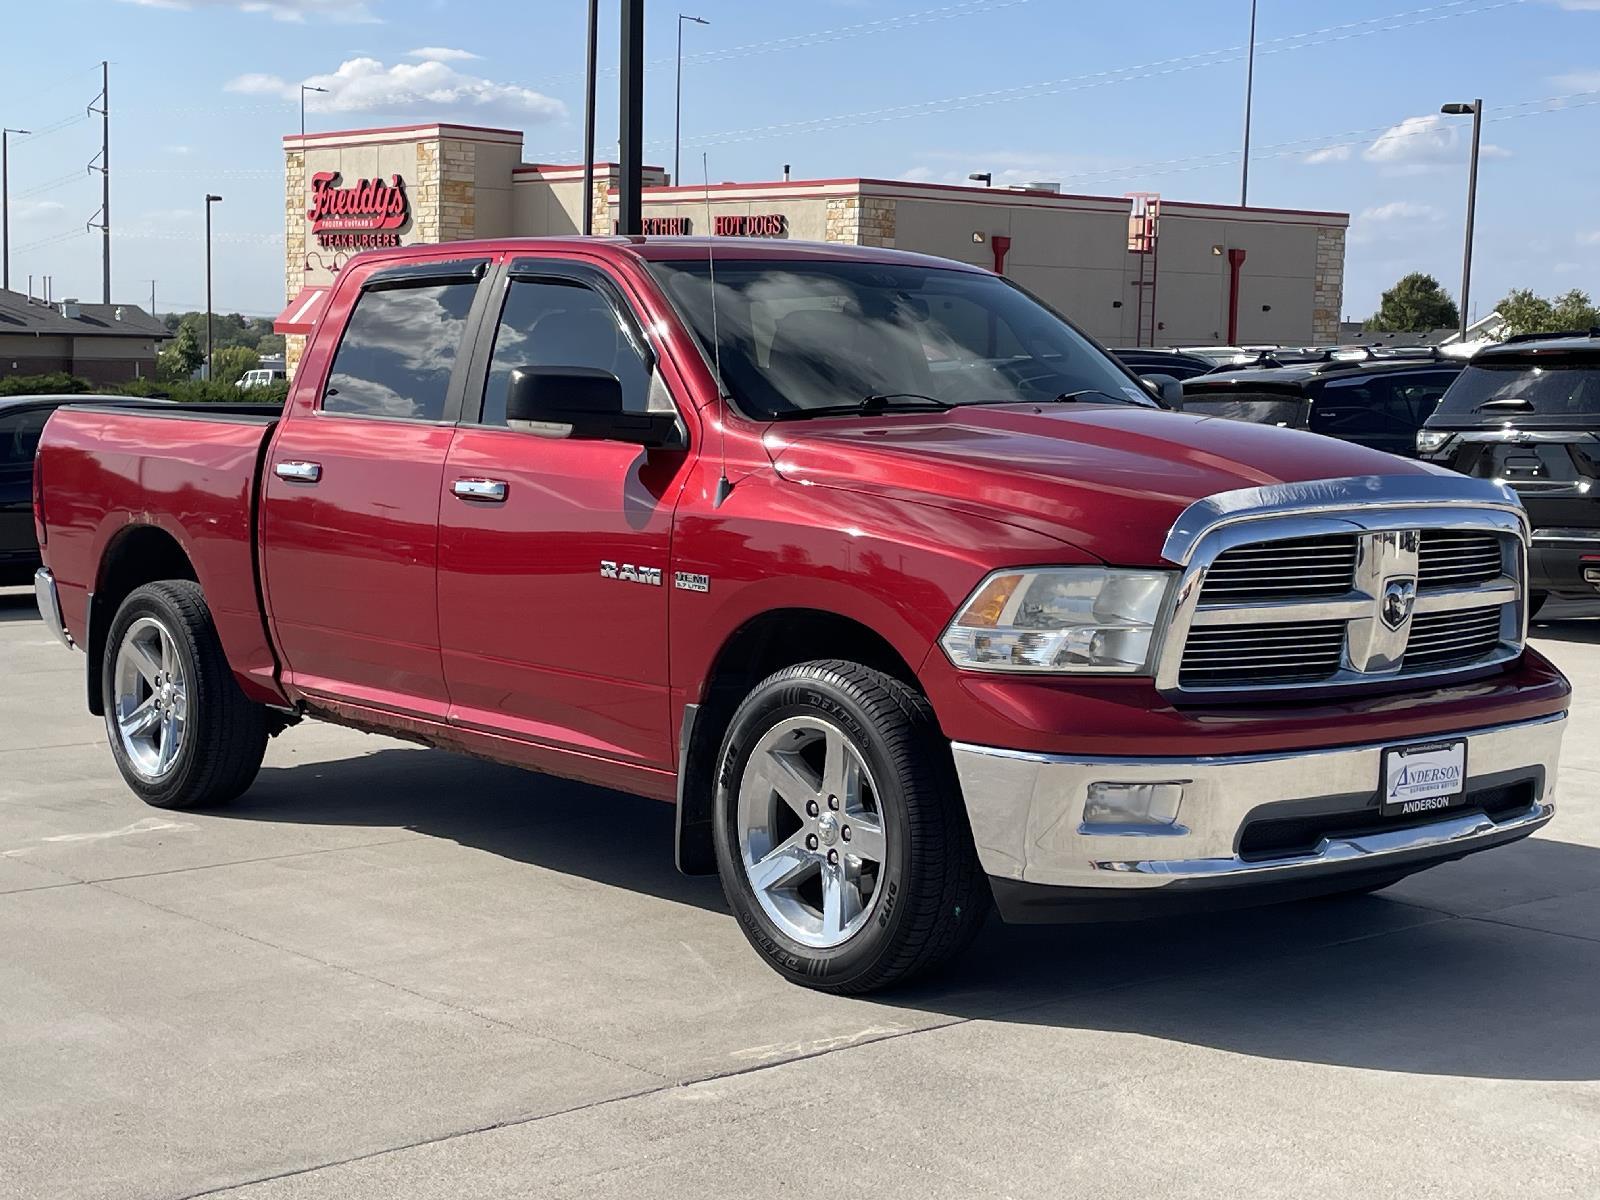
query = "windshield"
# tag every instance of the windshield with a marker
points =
(1484, 392)
(1263, 408)
(799, 336)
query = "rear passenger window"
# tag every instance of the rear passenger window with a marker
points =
(398, 350)
(19, 437)
(547, 323)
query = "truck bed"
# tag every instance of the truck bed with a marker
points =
(114, 480)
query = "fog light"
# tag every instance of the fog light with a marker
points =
(1133, 803)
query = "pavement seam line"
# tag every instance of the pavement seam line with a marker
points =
(399, 987)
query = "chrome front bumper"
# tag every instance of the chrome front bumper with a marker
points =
(1027, 812)
(49, 601)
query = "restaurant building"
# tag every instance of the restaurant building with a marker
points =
(1131, 270)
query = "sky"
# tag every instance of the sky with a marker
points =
(1102, 96)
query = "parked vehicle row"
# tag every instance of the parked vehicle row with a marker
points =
(911, 598)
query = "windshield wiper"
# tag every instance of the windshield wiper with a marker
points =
(1506, 402)
(877, 402)
(1071, 397)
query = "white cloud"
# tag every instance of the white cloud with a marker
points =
(1566, 268)
(347, 11)
(1579, 81)
(36, 210)
(442, 54)
(1329, 154)
(1416, 140)
(180, 150)
(366, 85)
(1590, 237)
(1401, 210)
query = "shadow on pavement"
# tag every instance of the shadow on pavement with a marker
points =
(16, 604)
(1364, 982)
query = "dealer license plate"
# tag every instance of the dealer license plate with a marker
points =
(1421, 779)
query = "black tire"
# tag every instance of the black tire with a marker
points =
(225, 734)
(931, 897)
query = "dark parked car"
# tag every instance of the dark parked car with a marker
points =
(1377, 401)
(1175, 363)
(1527, 413)
(22, 420)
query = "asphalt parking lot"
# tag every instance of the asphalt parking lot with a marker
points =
(388, 972)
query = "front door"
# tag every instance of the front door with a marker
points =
(351, 495)
(554, 555)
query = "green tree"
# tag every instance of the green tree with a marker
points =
(1415, 304)
(180, 357)
(229, 363)
(1525, 312)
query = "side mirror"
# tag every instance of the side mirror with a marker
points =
(583, 403)
(1166, 388)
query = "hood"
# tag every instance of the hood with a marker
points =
(1110, 480)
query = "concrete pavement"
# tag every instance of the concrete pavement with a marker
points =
(387, 972)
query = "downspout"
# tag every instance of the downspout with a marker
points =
(1001, 245)
(1235, 262)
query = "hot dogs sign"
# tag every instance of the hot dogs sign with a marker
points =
(360, 217)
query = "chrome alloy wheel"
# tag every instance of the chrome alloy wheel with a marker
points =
(151, 698)
(811, 831)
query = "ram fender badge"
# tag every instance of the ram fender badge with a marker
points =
(629, 573)
(691, 581)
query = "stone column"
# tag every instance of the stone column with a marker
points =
(294, 243)
(1327, 304)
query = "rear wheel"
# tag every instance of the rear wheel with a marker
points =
(182, 733)
(841, 837)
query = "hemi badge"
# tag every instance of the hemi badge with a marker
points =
(690, 581)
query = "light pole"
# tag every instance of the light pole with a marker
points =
(5, 206)
(1461, 110)
(210, 200)
(1249, 95)
(984, 177)
(588, 119)
(677, 121)
(304, 88)
(153, 298)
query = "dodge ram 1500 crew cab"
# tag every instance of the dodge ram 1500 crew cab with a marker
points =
(911, 598)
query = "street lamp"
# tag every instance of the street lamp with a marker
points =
(677, 121)
(5, 207)
(984, 177)
(304, 88)
(210, 200)
(1461, 110)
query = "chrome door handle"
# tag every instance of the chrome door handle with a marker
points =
(298, 472)
(489, 491)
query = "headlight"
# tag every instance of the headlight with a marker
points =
(1063, 620)
(1431, 440)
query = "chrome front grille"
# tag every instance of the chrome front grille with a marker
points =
(1223, 655)
(1295, 567)
(1448, 638)
(1453, 558)
(1343, 595)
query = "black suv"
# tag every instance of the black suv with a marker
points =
(1527, 413)
(1377, 400)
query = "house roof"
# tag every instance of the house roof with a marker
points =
(20, 315)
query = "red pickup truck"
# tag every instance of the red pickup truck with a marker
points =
(911, 598)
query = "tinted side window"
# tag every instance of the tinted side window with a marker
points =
(19, 436)
(398, 350)
(1361, 408)
(1422, 392)
(550, 323)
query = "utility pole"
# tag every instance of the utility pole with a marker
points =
(5, 208)
(153, 298)
(210, 200)
(104, 101)
(588, 119)
(1249, 96)
(630, 196)
(1459, 110)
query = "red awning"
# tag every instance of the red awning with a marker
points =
(302, 312)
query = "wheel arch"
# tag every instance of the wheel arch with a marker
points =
(762, 645)
(138, 554)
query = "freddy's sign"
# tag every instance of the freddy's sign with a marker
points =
(359, 217)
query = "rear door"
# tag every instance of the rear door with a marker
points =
(555, 555)
(351, 493)
(1383, 411)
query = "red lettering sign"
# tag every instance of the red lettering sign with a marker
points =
(765, 225)
(371, 206)
(667, 226)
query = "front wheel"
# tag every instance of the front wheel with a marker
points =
(841, 837)
(182, 733)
